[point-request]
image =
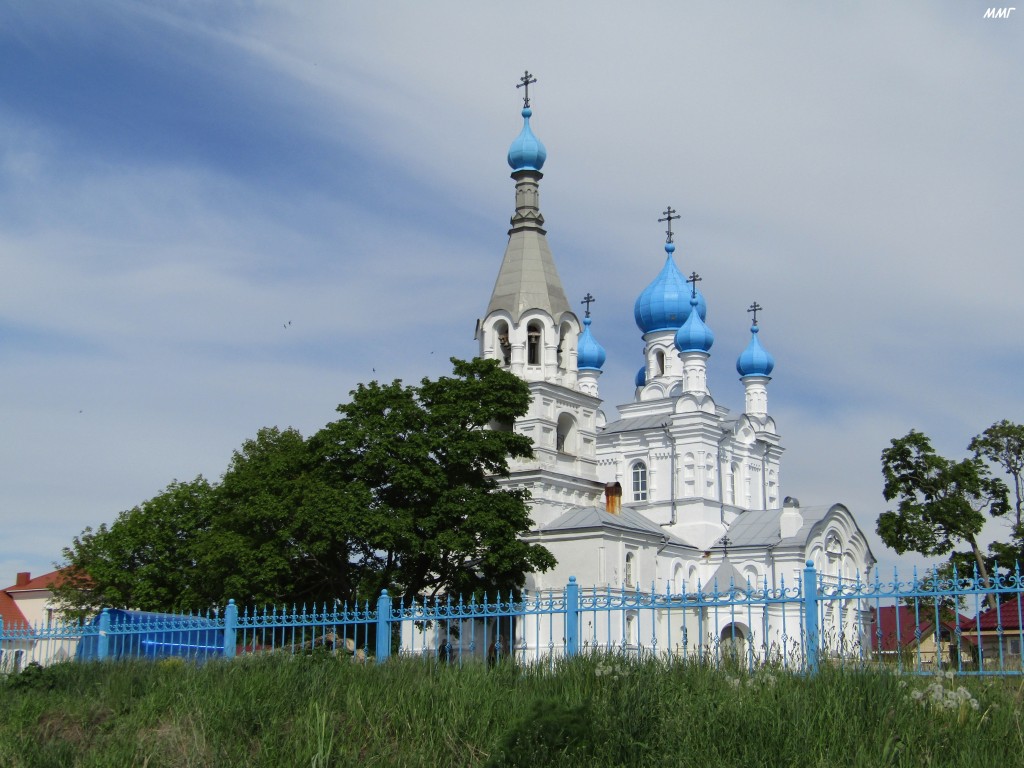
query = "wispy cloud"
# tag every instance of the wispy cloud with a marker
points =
(177, 184)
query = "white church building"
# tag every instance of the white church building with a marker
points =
(676, 495)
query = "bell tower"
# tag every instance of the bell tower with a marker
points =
(532, 331)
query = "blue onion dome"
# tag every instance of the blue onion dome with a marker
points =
(665, 303)
(694, 335)
(590, 354)
(641, 376)
(526, 152)
(755, 360)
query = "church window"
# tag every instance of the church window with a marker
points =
(750, 578)
(737, 478)
(733, 643)
(833, 545)
(639, 481)
(773, 489)
(533, 346)
(631, 629)
(628, 574)
(659, 358)
(565, 434)
(677, 580)
(709, 471)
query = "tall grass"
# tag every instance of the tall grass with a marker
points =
(595, 711)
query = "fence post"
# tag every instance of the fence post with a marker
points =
(572, 617)
(230, 627)
(103, 637)
(383, 626)
(811, 616)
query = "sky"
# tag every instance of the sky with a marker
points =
(216, 217)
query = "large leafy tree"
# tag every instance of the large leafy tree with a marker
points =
(940, 503)
(279, 533)
(437, 518)
(401, 492)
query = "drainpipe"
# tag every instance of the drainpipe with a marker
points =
(672, 473)
(721, 488)
(764, 477)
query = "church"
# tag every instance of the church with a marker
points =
(677, 494)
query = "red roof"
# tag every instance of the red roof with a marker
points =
(53, 578)
(9, 610)
(1008, 616)
(893, 640)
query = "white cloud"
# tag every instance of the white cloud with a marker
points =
(853, 169)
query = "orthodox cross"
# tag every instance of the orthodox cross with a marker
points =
(524, 82)
(694, 278)
(755, 308)
(588, 300)
(725, 546)
(668, 217)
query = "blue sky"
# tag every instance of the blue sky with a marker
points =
(178, 181)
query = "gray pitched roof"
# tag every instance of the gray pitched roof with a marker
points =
(528, 278)
(637, 422)
(584, 518)
(761, 527)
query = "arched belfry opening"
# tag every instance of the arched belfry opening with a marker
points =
(503, 343)
(565, 434)
(534, 343)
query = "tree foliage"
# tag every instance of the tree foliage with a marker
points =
(436, 518)
(145, 558)
(941, 503)
(401, 492)
(1002, 444)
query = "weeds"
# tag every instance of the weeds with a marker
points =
(595, 710)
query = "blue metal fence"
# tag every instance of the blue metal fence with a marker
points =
(919, 625)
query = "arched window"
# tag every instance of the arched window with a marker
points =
(773, 489)
(639, 481)
(750, 578)
(659, 358)
(504, 348)
(533, 343)
(737, 483)
(631, 629)
(565, 434)
(628, 573)
(677, 579)
(709, 472)
(733, 643)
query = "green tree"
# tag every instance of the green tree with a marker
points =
(279, 533)
(940, 502)
(145, 559)
(401, 492)
(438, 520)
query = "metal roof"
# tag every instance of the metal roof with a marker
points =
(761, 527)
(584, 518)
